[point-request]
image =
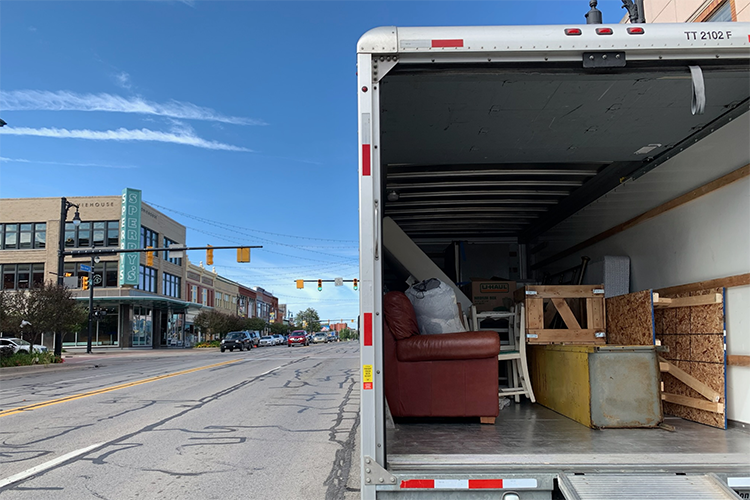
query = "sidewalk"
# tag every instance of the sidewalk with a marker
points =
(77, 357)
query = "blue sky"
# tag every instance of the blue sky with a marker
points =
(237, 119)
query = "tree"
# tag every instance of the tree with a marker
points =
(47, 308)
(309, 318)
(256, 324)
(279, 328)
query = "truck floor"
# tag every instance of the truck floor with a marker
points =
(531, 437)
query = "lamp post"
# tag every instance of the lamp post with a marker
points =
(65, 205)
(94, 260)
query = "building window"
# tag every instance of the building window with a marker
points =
(104, 275)
(92, 234)
(147, 279)
(194, 293)
(204, 297)
(171, 284)
(24, 236)
(22, 276)
(722, 14)
(149, 238)
(167, 257)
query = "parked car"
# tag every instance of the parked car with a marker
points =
(267, 340)
(237, 340)
(256, 338)
(20, 345)
(279, 338)
(320, 338)
(297, 337)
(333, 337)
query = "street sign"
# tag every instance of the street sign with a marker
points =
(85, 268)
(338, 281)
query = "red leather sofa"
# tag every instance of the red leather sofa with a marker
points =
(447, 375)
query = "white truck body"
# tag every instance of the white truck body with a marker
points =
(502, 135)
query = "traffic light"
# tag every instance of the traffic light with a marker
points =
(85, 282)
(243, 255)
(68, 275)
(300, 284)
(320, 285)
(355, 282)
(150, 258)
(209, 256)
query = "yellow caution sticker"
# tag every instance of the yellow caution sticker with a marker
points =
(367, 376)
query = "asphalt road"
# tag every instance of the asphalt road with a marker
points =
(272, 423)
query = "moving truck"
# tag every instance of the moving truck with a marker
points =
(514, 151)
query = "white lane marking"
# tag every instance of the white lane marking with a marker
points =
(47, 465)
(269, 371)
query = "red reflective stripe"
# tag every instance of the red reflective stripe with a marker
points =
(485, 483)
(418, 483)
(365, 159)
(367, 385)
(368, 329)
(447, 43)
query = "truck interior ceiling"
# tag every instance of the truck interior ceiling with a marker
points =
(527, 149)
(500, 154)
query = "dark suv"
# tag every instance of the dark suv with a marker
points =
(237, 340)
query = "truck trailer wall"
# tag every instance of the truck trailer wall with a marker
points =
(703, 239)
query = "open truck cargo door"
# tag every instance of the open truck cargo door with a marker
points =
(496, 135)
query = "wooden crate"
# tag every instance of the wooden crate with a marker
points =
(581, 308)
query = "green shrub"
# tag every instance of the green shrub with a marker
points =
(210, 343)
(25, 359)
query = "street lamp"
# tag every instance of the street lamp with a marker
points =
(94, 260)
(65, 206)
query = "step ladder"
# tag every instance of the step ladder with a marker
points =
(643, 487)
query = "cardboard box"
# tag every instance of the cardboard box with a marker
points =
(489, 295)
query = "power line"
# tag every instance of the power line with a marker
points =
(271, 251)
(209, 221)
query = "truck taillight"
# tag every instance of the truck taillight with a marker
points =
(636, 30)
(573, 31)
(604, 31)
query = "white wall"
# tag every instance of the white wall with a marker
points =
(705, 239)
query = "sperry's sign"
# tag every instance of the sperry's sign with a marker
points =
(130, 236)
(494, 288)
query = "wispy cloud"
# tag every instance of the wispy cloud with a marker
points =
(190, 3)
(123, 80)
(63, 163)
(122, 134)
(28, 100)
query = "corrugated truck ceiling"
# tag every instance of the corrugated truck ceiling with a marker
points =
(504, 151)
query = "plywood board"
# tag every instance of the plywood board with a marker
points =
(630, 319)
(697, 344)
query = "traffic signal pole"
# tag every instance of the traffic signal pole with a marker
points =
(91, 305)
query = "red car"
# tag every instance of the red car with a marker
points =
(297, 337)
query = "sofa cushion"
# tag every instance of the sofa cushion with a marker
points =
(399, 314)
(449, 346)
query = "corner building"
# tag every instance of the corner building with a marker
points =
(147, 312)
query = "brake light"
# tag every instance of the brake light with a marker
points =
(573, 31)
(636, 30)
(604, 31)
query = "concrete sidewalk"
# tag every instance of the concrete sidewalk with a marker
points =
(78, 358)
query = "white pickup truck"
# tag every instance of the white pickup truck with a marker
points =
(532, 142)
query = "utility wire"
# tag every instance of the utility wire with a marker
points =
(209, 221)
(236, 240)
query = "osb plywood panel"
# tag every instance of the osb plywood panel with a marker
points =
(695, 337)
(630, 319)
(710, 373)
(704, 348)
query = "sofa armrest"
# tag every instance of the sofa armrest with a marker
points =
(449, 346)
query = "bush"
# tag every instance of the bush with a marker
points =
(25, 359)
(210, 343)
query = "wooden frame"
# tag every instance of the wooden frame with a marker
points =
(591, 300)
